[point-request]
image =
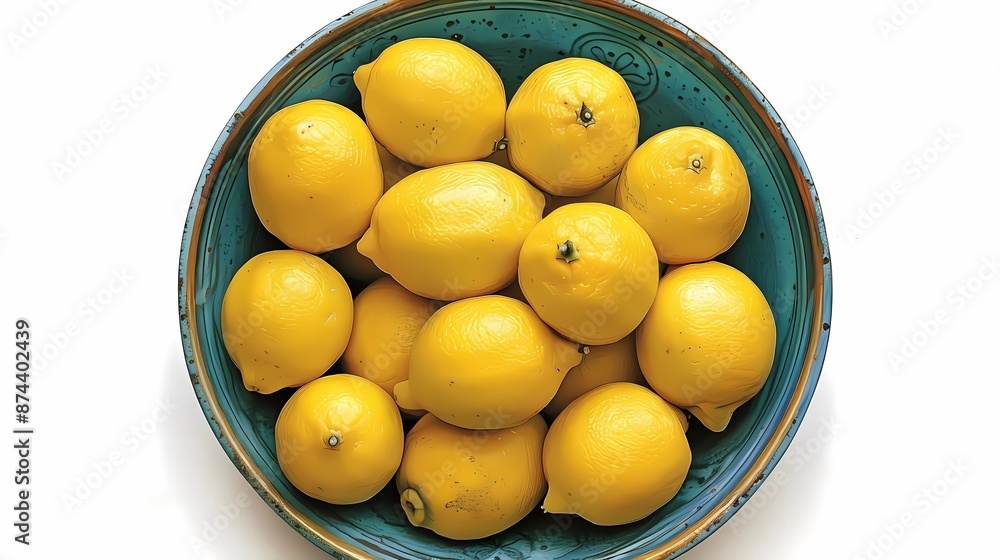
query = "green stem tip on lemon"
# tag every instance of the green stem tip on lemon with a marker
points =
(568, 252)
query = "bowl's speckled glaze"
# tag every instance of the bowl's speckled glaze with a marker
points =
(678, 78)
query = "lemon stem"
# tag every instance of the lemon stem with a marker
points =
(501, 144)
(335, 438)
(586, 115)
(568, 252)
(696, 163)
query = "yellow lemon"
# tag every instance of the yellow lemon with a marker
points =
(708, 342)
(601, 365)
(571, 126)
(315, 176)
(614, 455)
(605, 195)
(453, 231)
(688, 189)
(386, 319)
(465, 484)
(485, 363)
(286, 318)
(433, 101)
(352, 264)
(589, 271)
(339, 439)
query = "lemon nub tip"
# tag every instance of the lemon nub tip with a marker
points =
(404, 399)
(555, 503)
(361, 76)
(413, 506)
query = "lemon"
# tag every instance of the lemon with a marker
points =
(485, 363)
(314, 176)
(601, 365)
(688, 189)
(352, 264)
(339, 439)
(605, 195)
(571, 126)
(433, 101)
(614, 455)
(386, 318)
(465, 484)
(453, 231)
(286, 318)
(708, 342)
(589, 271)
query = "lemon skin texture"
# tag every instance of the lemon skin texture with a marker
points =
(614, 455)
(433, 101)
(315, 176)
(485, 363)
(708, 342)
(464, 484)
(689, 190)
(598, 292)
(602, 364)
(572, 125)
(386, 319)
(453, 231)
(286, 318)
(339, 439)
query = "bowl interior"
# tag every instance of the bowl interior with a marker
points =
(677, 80)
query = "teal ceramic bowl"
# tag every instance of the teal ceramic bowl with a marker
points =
(678, 78)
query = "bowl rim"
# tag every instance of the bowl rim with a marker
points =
(822, 298)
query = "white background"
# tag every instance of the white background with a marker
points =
(896, 458)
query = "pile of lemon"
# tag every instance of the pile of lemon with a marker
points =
(515, 303)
